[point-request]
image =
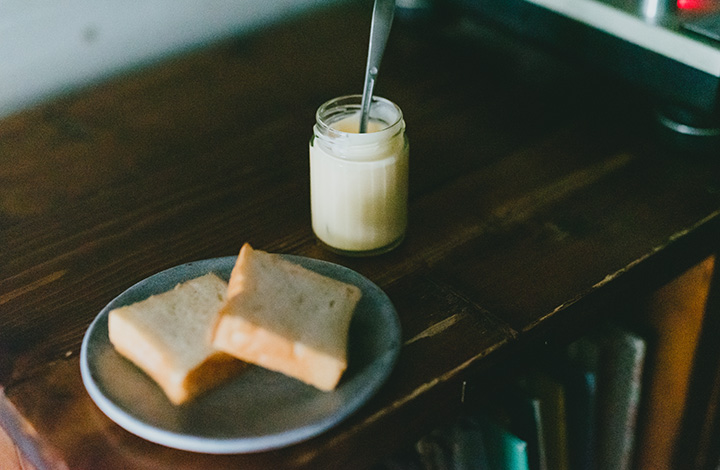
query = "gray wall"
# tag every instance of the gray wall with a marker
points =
(48, 47)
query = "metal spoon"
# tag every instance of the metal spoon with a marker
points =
(382, 18)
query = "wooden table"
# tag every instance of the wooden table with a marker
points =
(540, 199)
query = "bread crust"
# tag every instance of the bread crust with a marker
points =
(286, 318)
(183, 367)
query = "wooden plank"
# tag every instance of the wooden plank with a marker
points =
(538, 196)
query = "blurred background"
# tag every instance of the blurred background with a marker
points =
(669, 49)
(50, 46)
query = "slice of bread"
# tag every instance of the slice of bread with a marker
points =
(168, 336)
(286, 318)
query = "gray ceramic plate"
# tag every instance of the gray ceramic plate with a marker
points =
(260, 409)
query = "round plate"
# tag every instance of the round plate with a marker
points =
(260, 409)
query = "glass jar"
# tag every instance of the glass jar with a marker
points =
(359, 182)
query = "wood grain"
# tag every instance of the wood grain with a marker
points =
(540, 199)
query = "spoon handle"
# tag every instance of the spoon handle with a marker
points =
(382, 18)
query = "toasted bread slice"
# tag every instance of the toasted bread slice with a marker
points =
(287, 318)
(168, 336)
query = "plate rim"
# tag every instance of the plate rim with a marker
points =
(232, 445)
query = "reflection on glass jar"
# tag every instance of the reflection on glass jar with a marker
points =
(359, 182)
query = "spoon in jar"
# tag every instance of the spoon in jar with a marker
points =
(382, 18)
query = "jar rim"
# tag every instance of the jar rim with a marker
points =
(381, 110)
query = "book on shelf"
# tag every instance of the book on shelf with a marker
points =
(504, 449)
(603, 379)
(509, 407)
(522, 417)
(699, 442)
(675, 313)
(547, 391)
(508, 423)
(580, 380)
(619, 393)
(460, 446)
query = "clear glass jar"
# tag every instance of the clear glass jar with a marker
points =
(359, 182)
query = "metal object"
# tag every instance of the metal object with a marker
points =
(657, 10)
(670, 49)
(382, 18)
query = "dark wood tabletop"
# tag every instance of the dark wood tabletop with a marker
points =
(540, 199)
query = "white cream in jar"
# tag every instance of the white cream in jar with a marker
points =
(359, 182)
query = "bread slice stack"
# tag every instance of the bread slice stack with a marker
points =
(272, 313)
(286, 318)
(168, 336)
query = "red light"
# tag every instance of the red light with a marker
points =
(696, 4)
